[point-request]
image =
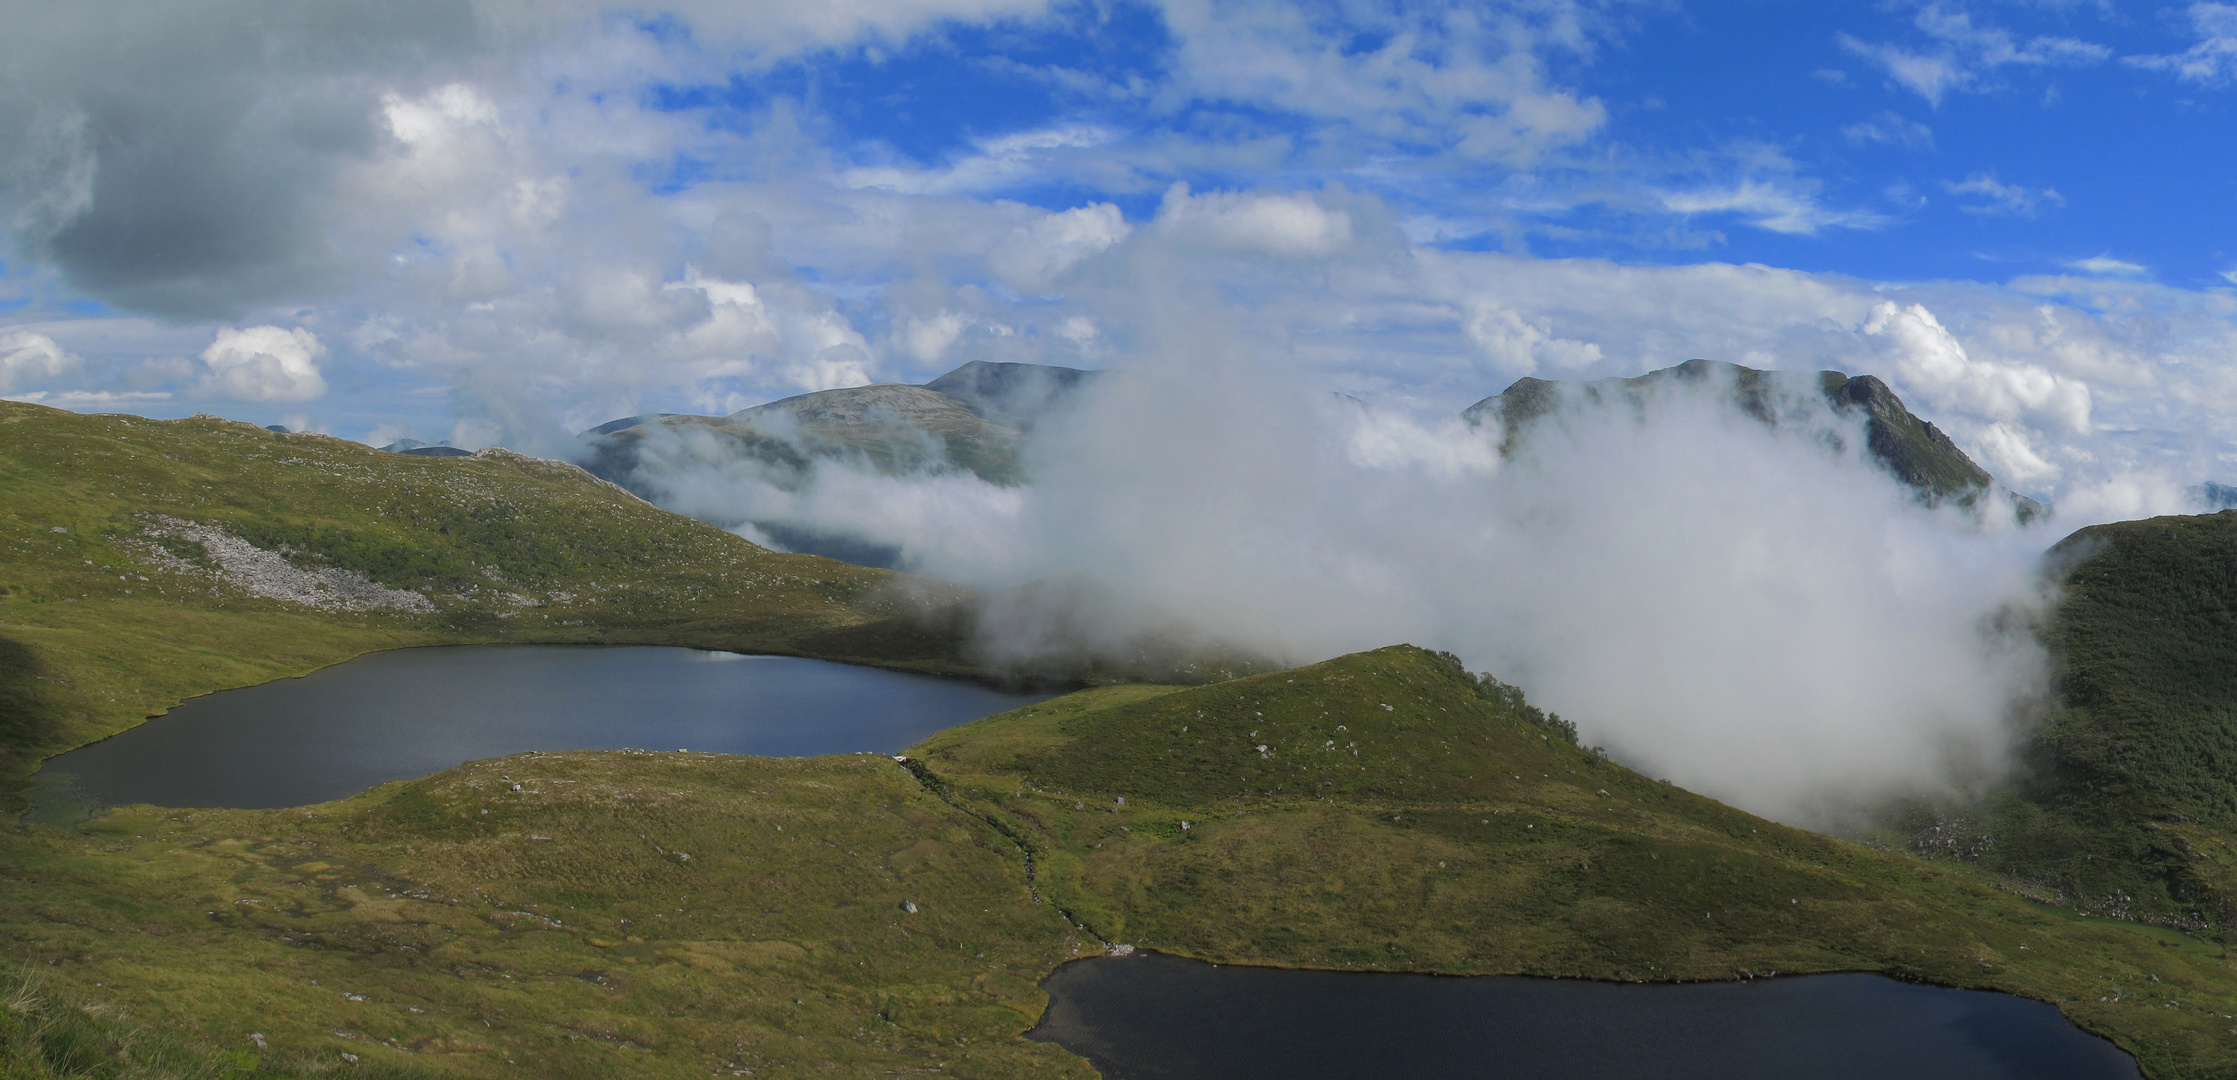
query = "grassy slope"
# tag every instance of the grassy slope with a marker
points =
(563, 932)
(654, 915)
(1468, 836)
(2131, 805)
(93, 638)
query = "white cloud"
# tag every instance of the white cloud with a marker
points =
(2002, 198)
(1963, 55)
(2106, 264)
(265, 363)
(94, 399)
(1532, 124)
(1778, 207)
(437, 117)
(999, 162)
(1032, 256)
(926, 340)
(1891, 129)
(1926, 356)
(1518, 346)
(1473, 79)
(1293, 224)
(28, 359)
(2213, 59)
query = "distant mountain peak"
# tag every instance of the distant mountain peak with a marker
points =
(1013, 395)
(1913, 450)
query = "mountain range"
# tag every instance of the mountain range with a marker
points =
(974, 420)
(971, 419)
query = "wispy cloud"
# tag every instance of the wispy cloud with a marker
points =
(999, 162)
(2213, 59)
(1891, 129)
(2001, 198)
(2108, 266)
(1780, 208)
(1960, 55)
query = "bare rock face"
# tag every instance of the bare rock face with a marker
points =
(268, 574)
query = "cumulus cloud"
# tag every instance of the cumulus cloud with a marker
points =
(1033, 255)
(1927, 357)
(1287, 224)
(265, 363)
(28, 360)
(1518, 346)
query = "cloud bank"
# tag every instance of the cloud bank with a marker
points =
(1738, 608)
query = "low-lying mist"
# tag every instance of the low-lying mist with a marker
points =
(1759, 613)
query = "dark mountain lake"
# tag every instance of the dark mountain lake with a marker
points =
(1152, 1017)
(392, 715)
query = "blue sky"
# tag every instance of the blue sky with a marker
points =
(498, 223)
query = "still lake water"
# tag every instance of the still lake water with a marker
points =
(1153, 1017)
(393, 715)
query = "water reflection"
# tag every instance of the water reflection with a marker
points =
(410, 712)
(1150, 1016)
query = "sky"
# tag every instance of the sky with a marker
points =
(502, 221)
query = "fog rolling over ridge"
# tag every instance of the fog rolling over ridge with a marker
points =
(1759, 612)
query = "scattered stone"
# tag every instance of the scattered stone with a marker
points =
(268, 574)
(909, 906)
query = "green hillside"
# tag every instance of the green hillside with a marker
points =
(150, 561)
(1387, 810)
(591, 914)
(2128, 800)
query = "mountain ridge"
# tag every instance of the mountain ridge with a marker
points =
(1911, 449)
